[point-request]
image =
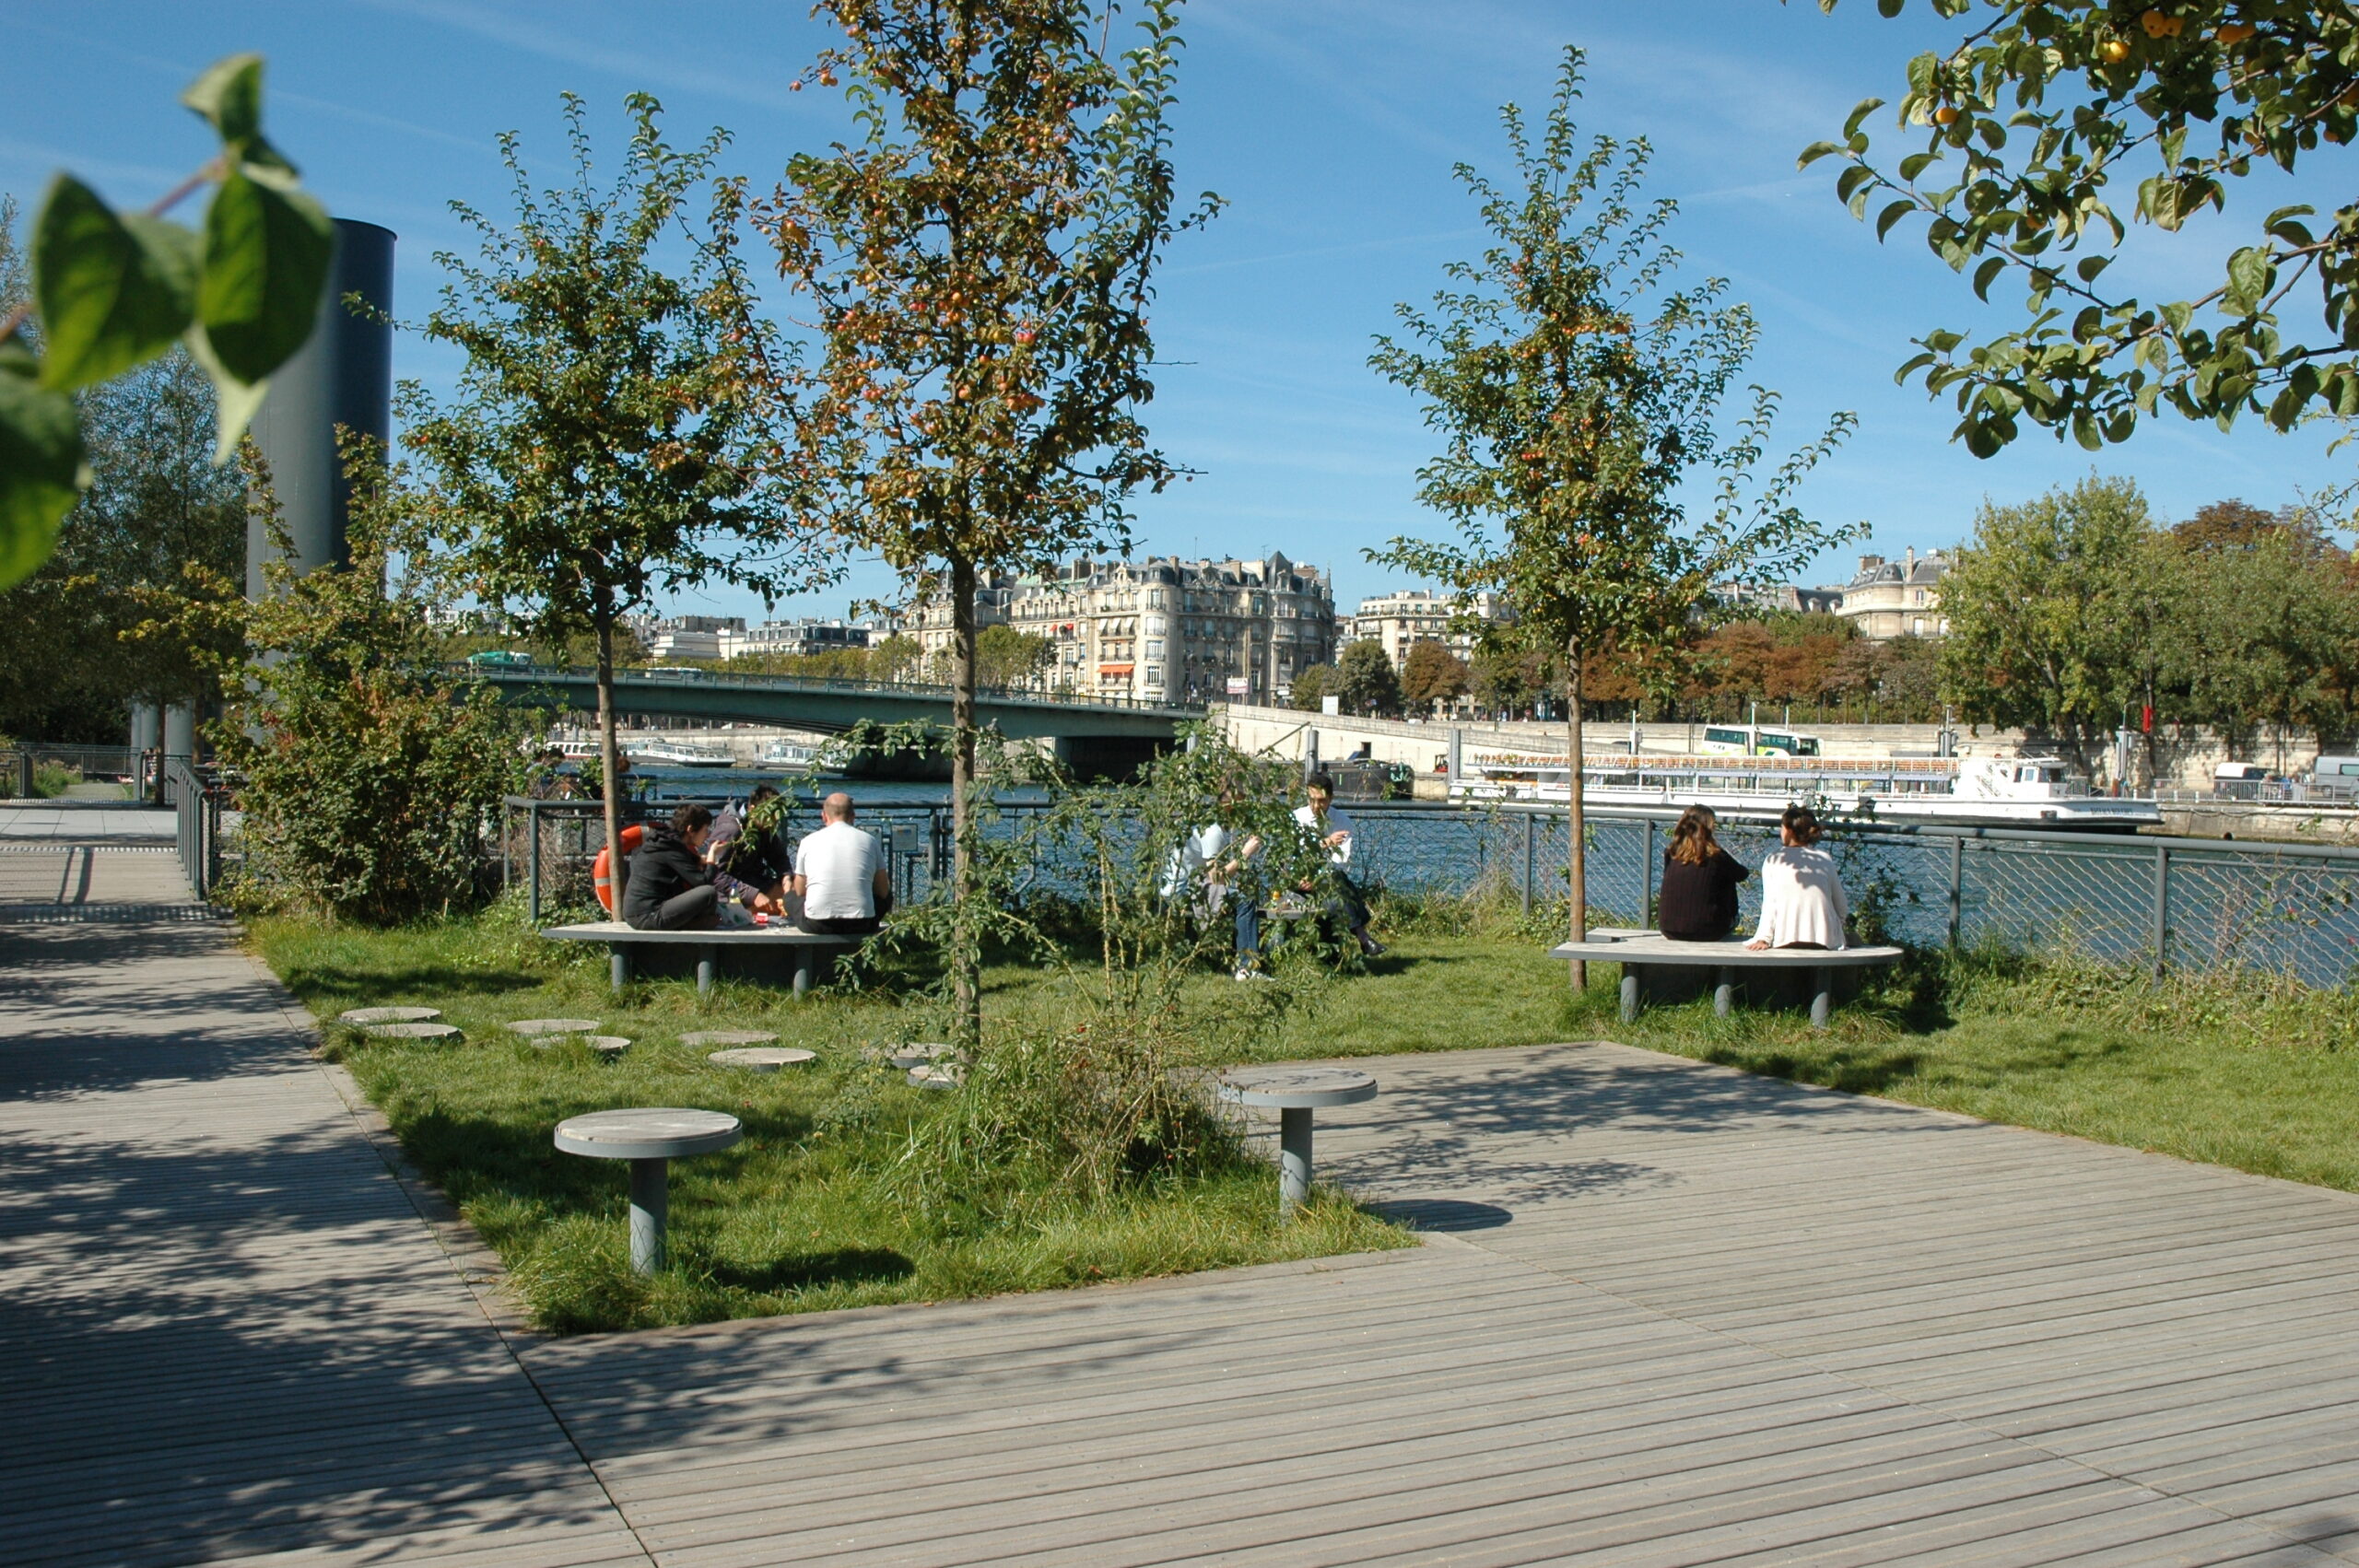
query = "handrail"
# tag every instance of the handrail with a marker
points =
(525, 675)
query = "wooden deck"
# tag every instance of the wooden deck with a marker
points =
(1668, 1316)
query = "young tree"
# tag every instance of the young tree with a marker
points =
(2026, 123)
(1432, 675)
(617, 432)
(1576, 391)
(1365, 679)
(978, 265)
(1312, 686)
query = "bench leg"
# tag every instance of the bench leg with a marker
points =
(801, 970)
(1821, 1001)
(1724, 994)
(1629, 994)
(649, 1205)
(1294, 1159)
(706, 959)
(618, 965)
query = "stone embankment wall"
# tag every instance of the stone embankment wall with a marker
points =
(2184, 761)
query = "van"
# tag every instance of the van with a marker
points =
(2336, 776)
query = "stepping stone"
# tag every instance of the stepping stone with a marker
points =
(607, 1045)
(921, 1056)
(728, 1037)
(388, 1015)
(531, 1028)
(937, 1077)
(448, 1033)
(762, 1058)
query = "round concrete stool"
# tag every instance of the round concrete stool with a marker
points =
(941, 1075)
(534, 1028)
(447, 1033)
(1295, 1093)
(388, 1015)
(921, 1056)
(728, 1037)
(761, 1059)
(650, 1139)
(607, 1045)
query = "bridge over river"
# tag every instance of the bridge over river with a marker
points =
(1091, 733)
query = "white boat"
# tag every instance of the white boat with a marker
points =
(788, 754)
(577, 748)
(2020, 791)
(680, 754)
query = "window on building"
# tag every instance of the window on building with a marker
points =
(1155, 649)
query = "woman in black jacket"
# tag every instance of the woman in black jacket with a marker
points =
(1699, 880)
(671, 887)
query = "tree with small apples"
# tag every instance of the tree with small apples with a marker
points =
(977, 272)
(1575, 390)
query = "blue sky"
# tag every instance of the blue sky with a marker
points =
(1329, 126)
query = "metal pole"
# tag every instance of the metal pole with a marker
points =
(2162, 932)
(532, 865)
(1294, 1159)
(649, 1205)
(1647, 878)
(1958, 889)
(1528, 818)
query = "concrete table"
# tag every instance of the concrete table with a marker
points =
(650, 1139)
(1296, 1092)
(388, 1015)
(447, 1032)
(534, 1028)
(762, 1058)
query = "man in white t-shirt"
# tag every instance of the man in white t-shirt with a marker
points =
(1331, 831)
(841, 884)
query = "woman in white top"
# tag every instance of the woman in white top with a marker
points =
(1802, 896)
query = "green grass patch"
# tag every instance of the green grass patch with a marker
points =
(831, 1201)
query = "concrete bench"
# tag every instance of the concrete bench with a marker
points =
(806, 947)
(1640, 953)
(1293, 1093)
(651, 1139)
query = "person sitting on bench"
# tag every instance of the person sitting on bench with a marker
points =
(842, 886)
(671, 887)
(1802, 892)
(750, 864)
(1699, 881)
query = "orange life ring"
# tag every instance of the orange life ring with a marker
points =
(602, 876)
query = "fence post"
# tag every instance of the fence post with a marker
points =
(2162, 910)
(1528, 819)
(1647, 878)
(533, 864)
(1957, 888)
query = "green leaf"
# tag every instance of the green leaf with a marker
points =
(267, 254)
(42, 473)
(1891, 215)
(229, 95)
(112, 292)
(1915, 163)
(2089, 266)
(1990, 268)
(2250, 272)
(1816, 151)
(235, 401)
(1867, 106)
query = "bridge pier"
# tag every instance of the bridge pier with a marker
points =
(1109, 758)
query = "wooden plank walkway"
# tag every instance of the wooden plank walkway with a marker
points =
(1668, 1316)
(1672, 1316)
(226, 1334)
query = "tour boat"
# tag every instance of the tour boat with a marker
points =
(680, 754)
(788, 754)
(2017, 791)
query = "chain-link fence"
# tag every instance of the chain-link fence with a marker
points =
(2289, 909)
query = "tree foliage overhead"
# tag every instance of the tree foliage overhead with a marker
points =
(2030, 131)
(977, 265)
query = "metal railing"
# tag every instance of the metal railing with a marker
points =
(197, 795)
(526, 675)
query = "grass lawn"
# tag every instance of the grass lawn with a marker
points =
(809, 1212)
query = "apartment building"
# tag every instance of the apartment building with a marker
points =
(1401, 621)
(688, 637)
(1898, 598)
(1162, 629)
(808, 635)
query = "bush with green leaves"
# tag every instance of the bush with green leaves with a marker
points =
(369, 773)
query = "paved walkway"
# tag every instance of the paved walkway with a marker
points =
(1671, 1316)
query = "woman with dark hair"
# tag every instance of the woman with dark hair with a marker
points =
(1699, 881)
(671, 887)
(1801, 893)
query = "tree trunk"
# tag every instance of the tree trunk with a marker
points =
(609, 781)
(1577, 868)
(966, 960)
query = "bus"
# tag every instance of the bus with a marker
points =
(1754, 740)
(503, 657)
